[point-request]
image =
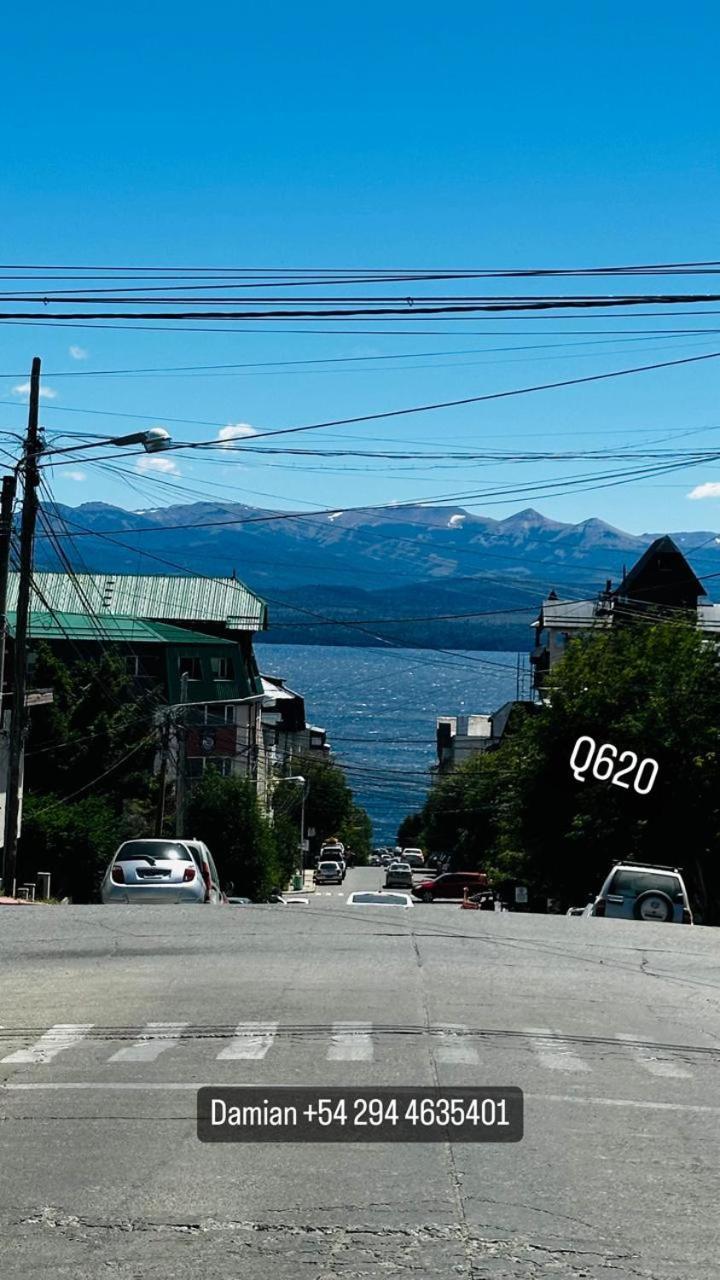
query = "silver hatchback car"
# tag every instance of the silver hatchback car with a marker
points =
(154, 871)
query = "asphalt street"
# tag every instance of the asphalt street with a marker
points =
(612, 1029)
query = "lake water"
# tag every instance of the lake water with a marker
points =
(379, 708)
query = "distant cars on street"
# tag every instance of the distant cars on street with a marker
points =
(398, 876)
(328, 872)
(451, 885)
(643, 891)
(414, 857)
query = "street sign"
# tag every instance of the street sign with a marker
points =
(521, 894)
(38, 697)
(305, 845)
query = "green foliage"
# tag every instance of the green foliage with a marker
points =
(95, 718)
(74, 842)
(410, 830)
(518, 810)
(356, 834)
(329, 804)
(224, 812)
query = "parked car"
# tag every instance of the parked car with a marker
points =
(208, 870)
(328, 873)
(643, 891)
(398, 876)
(378, 898)
(414, 857)
(451, 884)
(156, 870)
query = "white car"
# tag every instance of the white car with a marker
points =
(398, 876)
(414, 857)
(379, 898)
(328, 873)
(643, 891)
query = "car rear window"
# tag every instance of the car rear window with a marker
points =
(327, 866)
(642, 881)
(166, 852)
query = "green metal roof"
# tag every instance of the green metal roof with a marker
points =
(153, 597)
(122, 630)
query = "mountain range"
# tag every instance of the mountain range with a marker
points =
(361, 577)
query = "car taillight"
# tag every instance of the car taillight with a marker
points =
(117, 875)
(687, 916)
(599, 908)
(189, 874)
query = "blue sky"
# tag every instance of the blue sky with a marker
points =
(386, 135)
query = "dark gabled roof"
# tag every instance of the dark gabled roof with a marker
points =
(662, 552)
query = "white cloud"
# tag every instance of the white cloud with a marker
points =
(709, 490)
(76, 475)
(24, 390)
(78, 353)
(235, 431)
(157, 462)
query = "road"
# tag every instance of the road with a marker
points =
(611, 1028)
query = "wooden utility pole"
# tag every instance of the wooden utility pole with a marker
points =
(180, 764)
(9, 486)
(162, 780)
(18, 720)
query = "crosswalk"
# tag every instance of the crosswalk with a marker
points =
(450, 1044)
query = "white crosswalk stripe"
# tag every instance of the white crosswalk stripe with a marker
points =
(62, 1036)
(154, 1040)
(453, 1044)
(348, 1041)
(351, 1042)
(647, 1056)
(553, 1053)
(251, 1040)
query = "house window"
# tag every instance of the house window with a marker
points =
(191, 668)
(229, 715)
(222, 668)
(132, 664)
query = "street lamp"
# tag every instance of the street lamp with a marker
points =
(297, 777)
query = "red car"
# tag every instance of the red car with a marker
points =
(451, 884)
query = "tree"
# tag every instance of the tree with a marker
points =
(95, 718)
(648, 687)
(74, 842)
(329, 801)
(653, 689)
(356, 834)
(224, 812)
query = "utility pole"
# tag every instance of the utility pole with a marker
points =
(9, 486)
(162, 780)
(18, 720)
(180, 764)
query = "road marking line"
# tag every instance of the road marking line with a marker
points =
(252, 1040)
(350, 1042)
(610, 1102)
(554, 1054)
(62, 1036)
(646, 1056)
(192, 1086)
(154, 1040)
(453, 1047)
